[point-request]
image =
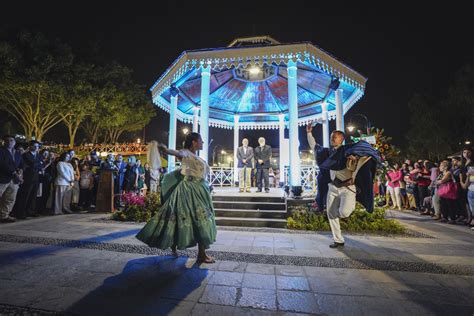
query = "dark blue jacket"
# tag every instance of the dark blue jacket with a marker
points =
(32, 167)
(365, 176)
(322, 153)
(8, 165)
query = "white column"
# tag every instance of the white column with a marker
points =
(196, 119)
(339, 110)
(205, 89)
(236, 145)
(295, 172)
(172, 130)
(281, 120)
(324, 108)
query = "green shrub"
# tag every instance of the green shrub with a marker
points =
(360, 221)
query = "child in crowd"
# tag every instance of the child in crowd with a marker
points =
(86, 184)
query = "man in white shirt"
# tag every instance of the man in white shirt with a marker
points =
(244, 157)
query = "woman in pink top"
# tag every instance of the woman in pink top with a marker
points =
(394, 176)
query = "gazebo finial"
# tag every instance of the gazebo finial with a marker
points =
(261, 40)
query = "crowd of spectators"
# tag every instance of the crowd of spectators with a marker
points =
(35, 181)
(443, 190)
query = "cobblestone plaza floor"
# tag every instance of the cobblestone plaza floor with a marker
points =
(83, 264)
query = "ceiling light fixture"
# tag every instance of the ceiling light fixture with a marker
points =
(254, 70)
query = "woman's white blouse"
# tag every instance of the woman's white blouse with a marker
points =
(192, 165)
(65, 173)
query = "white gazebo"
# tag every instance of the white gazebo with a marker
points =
(258, 83)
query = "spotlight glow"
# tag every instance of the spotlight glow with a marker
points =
(254, 70)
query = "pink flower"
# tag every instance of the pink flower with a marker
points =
(130, 198)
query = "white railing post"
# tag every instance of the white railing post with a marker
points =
(308, 177)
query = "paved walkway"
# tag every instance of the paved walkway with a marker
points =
(82, 264)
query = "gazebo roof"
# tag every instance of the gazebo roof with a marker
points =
(257, 95)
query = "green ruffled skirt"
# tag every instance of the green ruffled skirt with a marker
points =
(186, 216)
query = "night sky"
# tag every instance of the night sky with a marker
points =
(401, 47)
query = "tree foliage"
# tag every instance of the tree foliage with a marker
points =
(78, 102)
(42, 84)
(31, 76)
(121, 106)
(128, 111)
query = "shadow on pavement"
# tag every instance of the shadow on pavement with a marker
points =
(44, 250)
(146, 286)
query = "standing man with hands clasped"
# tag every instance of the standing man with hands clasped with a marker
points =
(263, 154)
(244, 157)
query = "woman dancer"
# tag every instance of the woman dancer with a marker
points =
(186, 217)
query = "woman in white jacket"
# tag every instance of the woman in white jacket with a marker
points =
(64, 183)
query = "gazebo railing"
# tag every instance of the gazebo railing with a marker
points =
(224, 176)
(308, 177)
(119, 148)
(221, 176)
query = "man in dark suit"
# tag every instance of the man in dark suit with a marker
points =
(244, 157)
(26, 201)
(262, 154)
(11, 165)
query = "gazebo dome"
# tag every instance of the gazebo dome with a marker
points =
(249, 78)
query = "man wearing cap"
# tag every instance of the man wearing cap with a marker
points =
(11, 164)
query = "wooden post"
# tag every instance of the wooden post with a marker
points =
(105, 192)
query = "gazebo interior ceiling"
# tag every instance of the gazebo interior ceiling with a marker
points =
(232, 94)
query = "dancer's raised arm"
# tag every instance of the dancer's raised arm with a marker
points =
(309, 133)
(165, 150)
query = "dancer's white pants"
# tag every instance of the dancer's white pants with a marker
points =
(340, 204)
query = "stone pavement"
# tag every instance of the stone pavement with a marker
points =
(82, 264)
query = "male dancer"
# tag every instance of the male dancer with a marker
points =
(351, 170)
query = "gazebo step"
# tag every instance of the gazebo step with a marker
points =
(249, 205)
(245, 213)
(245, 198)
(250, 222)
